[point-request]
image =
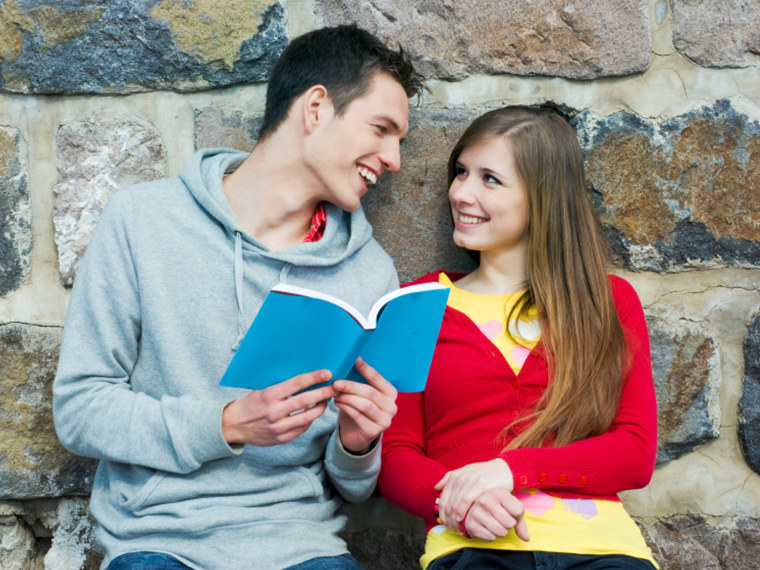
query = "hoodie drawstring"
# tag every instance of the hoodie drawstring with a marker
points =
(239, 287)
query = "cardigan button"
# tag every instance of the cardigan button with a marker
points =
(584, 479)
(562, 478)
(523, 479)
(543, 477)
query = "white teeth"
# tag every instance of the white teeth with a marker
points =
(367, 174)
(469, 219)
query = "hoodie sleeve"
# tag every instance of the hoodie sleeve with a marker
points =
(95, 410)
(355, 476)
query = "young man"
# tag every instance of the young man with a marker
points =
(192, 474)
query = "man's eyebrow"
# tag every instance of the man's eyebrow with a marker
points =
(394, 125)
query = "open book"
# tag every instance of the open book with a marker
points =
(299, 330)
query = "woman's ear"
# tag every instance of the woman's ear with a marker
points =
(315, 105)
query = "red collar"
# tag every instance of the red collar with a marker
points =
(318, 223)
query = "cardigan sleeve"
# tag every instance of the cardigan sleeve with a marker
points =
(407, 476)
(624, 457)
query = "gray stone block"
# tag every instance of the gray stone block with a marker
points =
(686, 368)
(55, 534)
(688, 542)
(749, 404)
(230, 129)
(95, 158)
(717, 33)
(15, 212)
(449, 40)
(382, 536)
(121, 46)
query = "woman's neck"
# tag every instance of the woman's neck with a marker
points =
(499, 273)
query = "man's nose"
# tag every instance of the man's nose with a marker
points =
(391, 155)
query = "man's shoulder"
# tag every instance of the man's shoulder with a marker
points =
(152, 189)
(147, 196)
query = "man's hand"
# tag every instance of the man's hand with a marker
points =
(460, 487)
(366, 410)
(275, 415)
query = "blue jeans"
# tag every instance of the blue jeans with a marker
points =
(343, 562)
(160, 561)
(146, 561)
(516, 560)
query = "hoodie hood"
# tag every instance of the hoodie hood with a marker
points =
(345, 232)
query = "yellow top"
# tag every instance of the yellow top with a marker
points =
(573, 526)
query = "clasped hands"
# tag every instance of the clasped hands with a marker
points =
(478, 499)
(282, 412)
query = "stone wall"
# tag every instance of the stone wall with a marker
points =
(665, 97)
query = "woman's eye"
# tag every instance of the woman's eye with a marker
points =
(460, 170)
(491, 180)
(381, 129)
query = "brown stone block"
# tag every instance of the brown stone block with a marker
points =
(450, 40)
(409, 209)
(32, 461)
(680, 193)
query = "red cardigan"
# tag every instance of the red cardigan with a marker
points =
(472, 394)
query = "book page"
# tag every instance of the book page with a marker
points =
(304, 292)
(388, 297)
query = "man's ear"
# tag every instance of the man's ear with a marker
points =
(315, 106)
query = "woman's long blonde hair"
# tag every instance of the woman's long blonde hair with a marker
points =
(567, 278)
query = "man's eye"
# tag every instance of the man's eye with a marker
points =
(381, 129)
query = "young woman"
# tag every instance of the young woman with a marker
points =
(540, 405)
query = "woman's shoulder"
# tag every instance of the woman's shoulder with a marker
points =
(620, 286)
(624, 295)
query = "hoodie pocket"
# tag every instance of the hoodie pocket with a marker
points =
(232, 485)
(133, 501)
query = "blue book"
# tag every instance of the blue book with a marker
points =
(298, 330)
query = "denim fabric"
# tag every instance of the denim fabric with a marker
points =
(343, 562)
(146, 561)
(515, 560)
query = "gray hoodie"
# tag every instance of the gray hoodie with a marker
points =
(169, 284)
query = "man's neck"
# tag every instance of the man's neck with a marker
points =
(268, 196)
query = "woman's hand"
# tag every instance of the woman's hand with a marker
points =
(460, 487)
(478, 498)
(494, 514)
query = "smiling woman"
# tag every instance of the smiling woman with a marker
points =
(489, 203)
(511, 454)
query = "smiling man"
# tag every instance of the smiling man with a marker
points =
(193, 475)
